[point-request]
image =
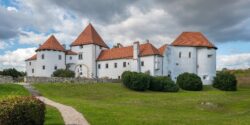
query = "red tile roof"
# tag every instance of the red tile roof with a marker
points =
(89, 36)
(162, 49)
(69, 52)
(32, 58)
(146, 49)
(51, 44)
(196, 39)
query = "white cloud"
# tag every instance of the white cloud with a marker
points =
(16, 58)
(235, 61)
(12, 9)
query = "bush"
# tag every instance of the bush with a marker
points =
(164, 84)
(22, 111)
(12, 72)
(63, 73)
(136, 81)
(189, 81)
(225, 81)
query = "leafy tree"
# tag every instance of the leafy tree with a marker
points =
(12, 72)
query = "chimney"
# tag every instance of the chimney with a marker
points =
(119, 45)
(64, 46)
(136, 50)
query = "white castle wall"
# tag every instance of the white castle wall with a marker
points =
(51, 59)
(198, 63)
(29, 66)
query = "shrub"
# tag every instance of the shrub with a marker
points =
(189, 81)
(63, 73)
(136, 81)
(12, 72)
(165, 84)
(225, 81)
(22, 111)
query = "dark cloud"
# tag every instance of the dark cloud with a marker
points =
(217, 18)
(102, 11)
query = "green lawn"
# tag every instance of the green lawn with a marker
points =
(53, 117)
(113, 104)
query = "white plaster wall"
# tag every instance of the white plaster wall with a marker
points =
(50, 61)
(150, 64)
(178, 65)
(199, 63)
(30, 67)
(206, 65)
(88, 63)
(111, 71)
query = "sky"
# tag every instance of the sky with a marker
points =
(24, 24)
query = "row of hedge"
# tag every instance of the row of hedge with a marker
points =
(141, 82)
(186, 81)
(22, 111)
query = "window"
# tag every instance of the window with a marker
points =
(209, 56)
(29, 63)
(80, 66)
(142, 63)
(59, 57)
(177, 64)
(80, 56)
(43, 67)
(70, 57)
(205, 77)
(42, 56)
(99, 66)
(55, 67)
(124, 64)
(119, 77)
(81, 46)
(189, 54)
(107, 65)
(179, 54)
(115, 65)
(33, 70)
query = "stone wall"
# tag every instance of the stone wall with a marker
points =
(6, 79)
(67, 80)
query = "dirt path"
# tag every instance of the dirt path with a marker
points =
(69, 114)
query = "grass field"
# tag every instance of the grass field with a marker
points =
(53, 117)
(112, 104)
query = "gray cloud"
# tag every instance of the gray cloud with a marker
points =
(102, 11)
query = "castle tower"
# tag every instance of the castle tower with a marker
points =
(88, 46)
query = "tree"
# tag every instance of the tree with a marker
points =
(12, 72)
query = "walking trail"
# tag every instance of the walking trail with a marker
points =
(69, 114)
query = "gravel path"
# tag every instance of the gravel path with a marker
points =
(69, 114)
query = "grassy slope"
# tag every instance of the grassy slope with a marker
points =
(52, 117)
(113, 104)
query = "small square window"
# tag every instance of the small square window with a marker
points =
(107, 65)
(59, 57)
(55, 67)
(29, 63)
(43, 67)
(179, 54)
(99, 66)
(33, 70)
(209, 56)
(70, 57)
(189, 54)
(42, 56)
(124, 64)
(142, 63)
(115, 65)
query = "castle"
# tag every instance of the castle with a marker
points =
(89, 56)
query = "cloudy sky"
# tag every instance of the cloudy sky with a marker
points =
(24, 24)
